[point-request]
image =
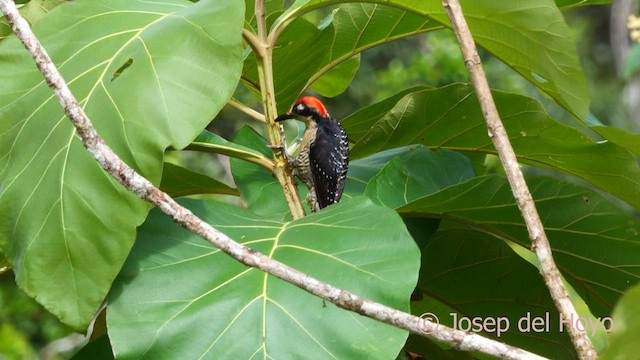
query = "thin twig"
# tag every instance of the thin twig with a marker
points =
(247, 110)
(498, 135)
(137, 184)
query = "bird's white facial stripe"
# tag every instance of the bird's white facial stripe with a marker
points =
(300, 107)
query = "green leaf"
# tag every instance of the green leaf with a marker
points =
(359, 27)
(178, 181)
(619, 137)
(394, 176)
(259, 188)
(362, 170)
(336, 80)
(531, 37)
(424, 172)
(33, 11)
(632, 63)
(421, 229)
(173, 282)
(300, 49)
(67, 227)
(598, 336)
(326, 58)
(475, 275)
(595, 244)
(625, 327)
(298, 52)
(430, 350)
(98, 349)
(450, 118)
(271, 6)
(574, 3)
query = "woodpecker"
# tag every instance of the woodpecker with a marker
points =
(324, 153)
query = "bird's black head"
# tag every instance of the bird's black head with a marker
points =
(306, 107)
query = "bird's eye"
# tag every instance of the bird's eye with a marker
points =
(300, 107)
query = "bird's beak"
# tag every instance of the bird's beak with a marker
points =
(285, 116)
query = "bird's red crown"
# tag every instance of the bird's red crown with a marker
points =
(312, 102)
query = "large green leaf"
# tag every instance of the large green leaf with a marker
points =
(66, 226)
(464, 257)
(625, 327)
(259, 188)
(173, 283)
(33, 11)
(98, 349)
(359, 27)
(529, 36)
(573, 3)
(178, 181)
(533, 38)
(595, 244)
(418, 173)
(336, 80)
(362, 170)
(468, 273)
(325, 57)
(619, 137)
(271, 6)
(450, 118)
(300, 49)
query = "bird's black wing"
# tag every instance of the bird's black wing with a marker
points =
(329, 161)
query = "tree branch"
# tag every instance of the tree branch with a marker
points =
(137, 184)
(497, 133)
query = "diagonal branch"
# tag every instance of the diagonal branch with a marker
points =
(137, 184)
(500, 139)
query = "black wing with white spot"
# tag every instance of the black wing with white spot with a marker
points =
(329, 161)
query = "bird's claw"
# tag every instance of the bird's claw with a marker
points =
(282, 149)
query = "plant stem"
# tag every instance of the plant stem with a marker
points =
(247, 110)
(263, 51)
(497, 133)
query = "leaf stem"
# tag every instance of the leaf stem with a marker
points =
(247, 110)
(231, 152)
(499, 137)
(253, 42)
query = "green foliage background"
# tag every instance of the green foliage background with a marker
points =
(426, 215)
